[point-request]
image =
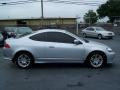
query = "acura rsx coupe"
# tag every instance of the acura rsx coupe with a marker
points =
(56, 46)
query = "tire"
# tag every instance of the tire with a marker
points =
(96, 60)
(84, 35)
(23, 60)
(99, 36)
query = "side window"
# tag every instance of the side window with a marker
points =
(39, 37)
(90, 29)
(59, 37)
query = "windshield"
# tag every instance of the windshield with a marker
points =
(100, 29)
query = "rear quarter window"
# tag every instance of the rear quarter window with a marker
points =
(39, 37)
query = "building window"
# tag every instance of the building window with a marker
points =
(21, 23)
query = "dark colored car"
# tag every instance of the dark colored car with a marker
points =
(1, 39)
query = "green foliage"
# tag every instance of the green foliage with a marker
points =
(90, 17)
(110, 9)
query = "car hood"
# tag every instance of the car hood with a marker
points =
(93, 44)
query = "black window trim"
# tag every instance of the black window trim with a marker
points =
(51, 41)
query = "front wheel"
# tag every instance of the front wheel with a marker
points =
(96, 60)
(23, 60)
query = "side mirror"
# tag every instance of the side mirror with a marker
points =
(77, 42)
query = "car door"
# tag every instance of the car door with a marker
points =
(91, 32)
(38, 45)
(60, 47)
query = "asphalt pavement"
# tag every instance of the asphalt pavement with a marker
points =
(62, 76)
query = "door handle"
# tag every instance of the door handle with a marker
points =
(51, 47)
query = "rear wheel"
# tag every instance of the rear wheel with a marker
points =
(96, 60)
(99, 36)
(23, 60)
(84, 35)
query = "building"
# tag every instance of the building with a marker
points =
(117, 22)
(41, 23)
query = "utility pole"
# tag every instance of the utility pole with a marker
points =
(89, 20)
(42, 16)
(77, 25)
(42, 9)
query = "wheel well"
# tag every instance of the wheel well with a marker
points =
(23, 51)
(100, 52)
(99, 34)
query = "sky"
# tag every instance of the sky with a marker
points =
(33, 10)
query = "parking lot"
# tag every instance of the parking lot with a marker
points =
(62, 76)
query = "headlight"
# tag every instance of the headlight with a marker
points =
(109, 49)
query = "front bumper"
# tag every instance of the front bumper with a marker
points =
(108, 36)
(110, 57)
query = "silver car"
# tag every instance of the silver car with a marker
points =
(98, 32)
(56, 46)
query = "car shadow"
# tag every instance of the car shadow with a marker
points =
(63, 66)
(98, 39)
(59, 65)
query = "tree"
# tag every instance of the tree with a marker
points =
(111, 9)
(90, 17)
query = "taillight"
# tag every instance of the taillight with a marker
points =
(6, 45)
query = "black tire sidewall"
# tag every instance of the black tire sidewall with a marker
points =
(100, 36)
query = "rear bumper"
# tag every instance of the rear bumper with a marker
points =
(7, 54)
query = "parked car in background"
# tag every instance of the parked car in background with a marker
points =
(98, 32)
(17, 31)
(56, 46)
(1, 39)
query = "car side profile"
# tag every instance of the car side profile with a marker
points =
(56, 46)
(98, 32)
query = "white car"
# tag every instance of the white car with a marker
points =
(98, 32)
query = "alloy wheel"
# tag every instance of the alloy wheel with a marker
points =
(96, 60)
(23, 60)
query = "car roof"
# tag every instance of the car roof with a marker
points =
(51, 30)
(47, 30)
(93, 27)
